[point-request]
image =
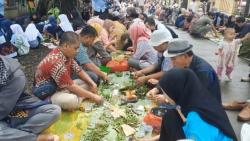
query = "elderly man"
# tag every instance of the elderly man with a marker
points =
(182, 56)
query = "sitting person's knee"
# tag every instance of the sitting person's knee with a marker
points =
(66, 101)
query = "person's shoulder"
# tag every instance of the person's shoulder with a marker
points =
(200, 64)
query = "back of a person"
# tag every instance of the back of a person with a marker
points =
(202, 22)
(245, 29)
(44, 69)
(22, 44)
(150, 53)
(199, 130)
(203, 70)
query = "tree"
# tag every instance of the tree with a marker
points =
(68, 7)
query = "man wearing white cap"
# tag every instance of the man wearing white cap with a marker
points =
(159, 40)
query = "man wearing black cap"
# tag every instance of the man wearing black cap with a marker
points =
(181, 54)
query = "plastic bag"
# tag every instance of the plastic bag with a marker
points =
(118, 66)
(153, 120)
(245, 132)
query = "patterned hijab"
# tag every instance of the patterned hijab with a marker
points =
(3, 73)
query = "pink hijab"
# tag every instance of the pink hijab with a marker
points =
(95, 20)
(138, 32)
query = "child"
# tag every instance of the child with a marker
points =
(228, 51)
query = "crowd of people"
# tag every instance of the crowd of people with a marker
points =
(70, 73)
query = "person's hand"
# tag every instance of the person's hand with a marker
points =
(93, 88)
(216, 35)
(248, 35)
(141, 80)
(153, 81)
(98, 99)
(113, 41)
(161, 99)
(138, 74)
(105, 78)
(152, 93)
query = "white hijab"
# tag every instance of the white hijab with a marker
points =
(17, 29)
(31, 32)
(64, 23)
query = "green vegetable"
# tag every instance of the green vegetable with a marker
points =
(141, 91)
(97, 133)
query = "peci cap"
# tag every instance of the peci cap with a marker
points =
(177, 47)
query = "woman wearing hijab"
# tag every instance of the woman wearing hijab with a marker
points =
(19, 39)
(144, 54)
(33, 35)
(97, 53)
(23, 117)
(200, 116)
(64, 25)
(108, 25)
(51, 27)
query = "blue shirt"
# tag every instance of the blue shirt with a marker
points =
(207, 76)
(99, 5)
(199, 130)
(82, 57)
(244, 30)
(164, 63)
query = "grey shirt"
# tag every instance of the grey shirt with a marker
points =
(204, 21)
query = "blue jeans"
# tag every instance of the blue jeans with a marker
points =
(45, 90)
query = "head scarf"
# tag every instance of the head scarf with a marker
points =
(184, 87)
(138, 32)
(64, 23)
(96, 20)
(31, 32)
(3, 73)
(99, 29)
(108, 24)
(17, 29)
(52, 20)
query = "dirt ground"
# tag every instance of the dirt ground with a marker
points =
(29, 63)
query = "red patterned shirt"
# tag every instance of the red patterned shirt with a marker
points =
(56, 67)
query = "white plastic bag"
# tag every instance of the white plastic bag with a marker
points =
(245, 132)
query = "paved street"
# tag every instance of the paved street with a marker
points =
(234, 90)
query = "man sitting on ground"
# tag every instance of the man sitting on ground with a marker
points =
(182, 56)
(159, 40)
(203, 25)
(87, 37)
(154, 24)
(56, 70)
